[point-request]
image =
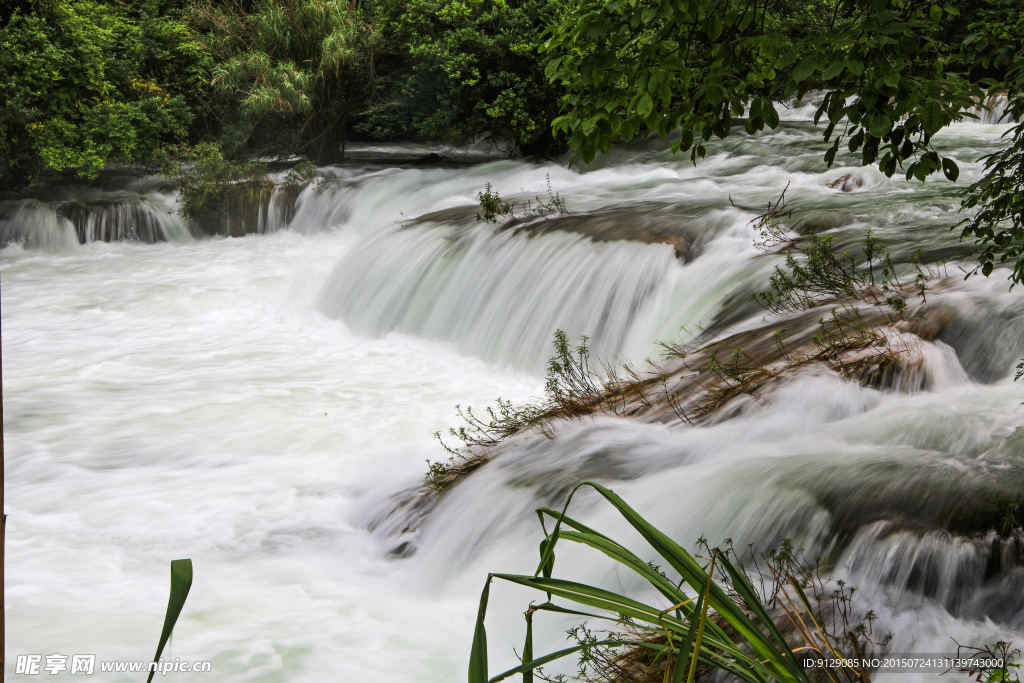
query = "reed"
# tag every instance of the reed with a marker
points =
(701, 623)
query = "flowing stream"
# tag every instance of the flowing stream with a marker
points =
(263, 405)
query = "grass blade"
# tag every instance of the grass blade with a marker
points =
(703, 618)
(181, 582)
(535, 663)
(478, 654)
(528, 647)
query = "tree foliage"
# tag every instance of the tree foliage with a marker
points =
(893, 73)
(84, 83)
(287, 74)
(998, 224)
(696, 66)
(459, 69)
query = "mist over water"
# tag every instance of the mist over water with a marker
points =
(262, 405)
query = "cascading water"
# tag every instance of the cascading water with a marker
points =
(130, 209)
(62, 216)
(265, 406)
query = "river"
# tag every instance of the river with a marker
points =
(260, 404)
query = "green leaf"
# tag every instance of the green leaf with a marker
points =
(833, 70)
(714, 27)
(855, 67)
(687, 140)
(745, 21)
(645, 106)
(715, 93)
(934, 117)
(856, 140)
(950, 169)
(830, 156)
(880, 125)
(533, 664)
(181, 582)
(888, 165)
(803, 70)
(478, 653)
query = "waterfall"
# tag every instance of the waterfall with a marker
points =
(142, 221)
(502, 296)
(994, 110)
(35, 225)
(265, 406)
(61, 224)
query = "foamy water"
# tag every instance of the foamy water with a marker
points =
(252, 403)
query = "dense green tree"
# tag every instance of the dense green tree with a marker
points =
(456, 70)
(84, 83)
(289, 73)
(893, 72)
(998, 223)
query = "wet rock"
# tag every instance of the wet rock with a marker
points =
(820, 222)
(635, 224)
(249, 208)
(430, 159)
(928, 322)
(847, 183)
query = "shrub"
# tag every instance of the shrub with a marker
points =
(208, 182)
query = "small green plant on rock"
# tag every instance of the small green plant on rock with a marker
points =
(995, 663)
(572, 389)
(815, 272)
(493, 207)
(554, 204)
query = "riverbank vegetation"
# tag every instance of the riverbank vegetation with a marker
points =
(767, 617)
(853, 315)
(90, 83)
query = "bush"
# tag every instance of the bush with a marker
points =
(208, 183)
(87, 83)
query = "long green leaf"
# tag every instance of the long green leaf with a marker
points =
(181, 582)
(478, 654)
(528, 647)
(623, 607)
(616, 551)
(694, 575)
(746, 591)
(703, 611)
(663, 585)
(536, 663)
(589, 595)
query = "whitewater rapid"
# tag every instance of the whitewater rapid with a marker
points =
(258, 404)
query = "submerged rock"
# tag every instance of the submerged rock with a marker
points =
(651, 223)
(249, 209)
(847, 183)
